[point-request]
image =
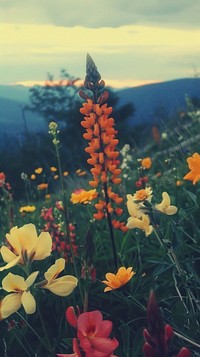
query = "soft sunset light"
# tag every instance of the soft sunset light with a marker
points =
(137, 54)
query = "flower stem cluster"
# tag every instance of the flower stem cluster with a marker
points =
(158, 336)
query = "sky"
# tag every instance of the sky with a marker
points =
(132, 42)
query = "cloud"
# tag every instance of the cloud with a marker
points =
(136, 52)
(104, 13)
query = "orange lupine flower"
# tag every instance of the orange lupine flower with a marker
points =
(115, 281)
(101, 136)
(194, 166)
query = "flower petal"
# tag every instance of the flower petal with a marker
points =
(11, 264)
(171, 210)
(134, 223)
(55, 269)
(7, 255)
(14, 283)
(31, 279)
(62, 286)
(10, 304)
(28, 302)
(105, 345)
(44, 246)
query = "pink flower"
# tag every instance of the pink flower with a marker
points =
(93, 333)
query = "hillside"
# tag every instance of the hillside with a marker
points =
(153, 103)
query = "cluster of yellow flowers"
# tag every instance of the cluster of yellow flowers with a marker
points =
(138, 211)
(25, 246)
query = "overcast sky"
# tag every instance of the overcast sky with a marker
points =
(131, 41)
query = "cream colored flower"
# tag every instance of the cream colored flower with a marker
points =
(134, 209)
(143, 224)
(165, 206)
(26, 246)
(20, 294)
(62, 286)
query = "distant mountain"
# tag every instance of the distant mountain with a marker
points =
(15, 123)
(159, 101)
(152, 102)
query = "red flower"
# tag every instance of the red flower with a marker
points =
(158, 336)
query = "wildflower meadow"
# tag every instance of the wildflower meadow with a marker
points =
(104, 262)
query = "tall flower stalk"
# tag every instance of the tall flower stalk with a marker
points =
(101, 136)
(53, 131)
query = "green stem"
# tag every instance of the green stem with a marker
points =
(48, 342)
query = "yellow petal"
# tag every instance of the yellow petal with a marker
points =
(13, 283)
(62, 286)
(134, 223)
(28, 302)
(30, 280)
(13, 240)
(11, 264)
(10, 304)
(28, 237)
(43, 247)
(55, 269)
(171, 210)
(166, 198)
(7, 255)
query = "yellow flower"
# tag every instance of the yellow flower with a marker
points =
(26, 246)
(62, 286)
(194, 166)
(38, 170)
(65, 173)
(53, 169)
(143, 194)
(143, 224)
(115, 281)
(134, 209)
(20, 294)
(56, 177)
(165, 206)
(33, 177)
(42, 186)
(146, 163)
(27, 209)
(83, 196)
